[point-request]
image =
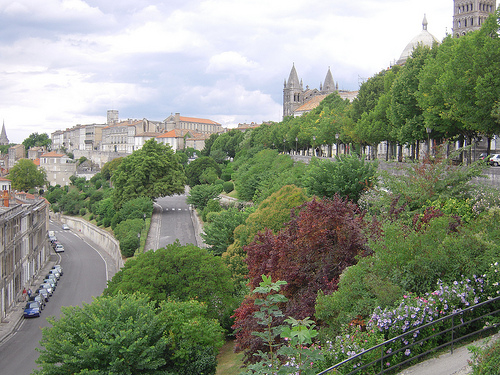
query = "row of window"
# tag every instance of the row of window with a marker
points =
(470, 7)
(469, 22)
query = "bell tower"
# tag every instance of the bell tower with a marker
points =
(292, 93)
(469, 15)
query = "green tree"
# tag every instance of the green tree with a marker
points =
(200, 195)
(218, 233)
(208, 144)
(348, 177)
(110, 167)
(197, 167)
(228, 143)
(180, 273)
(25, 175)
(128, 334)
(37, 140)
(152, 171)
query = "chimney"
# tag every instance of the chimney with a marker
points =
(5, 197)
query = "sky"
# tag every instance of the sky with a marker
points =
(66, 62)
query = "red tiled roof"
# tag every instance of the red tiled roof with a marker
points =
(198, 120)
(174, 133)
(311, 104)
(37, 162)
(52, 154)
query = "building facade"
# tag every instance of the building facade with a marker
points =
(16, 153)
(59, 168)
(198, 125)
(469, 15)
(24, 248)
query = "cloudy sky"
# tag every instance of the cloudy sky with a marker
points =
(65, 62)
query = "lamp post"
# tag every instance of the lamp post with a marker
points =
(296, 142)
(139, 238)
(314, 145)
(284, 140)
(429, 130)
(337, 143)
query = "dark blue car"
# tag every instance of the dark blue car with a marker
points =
(32, 309)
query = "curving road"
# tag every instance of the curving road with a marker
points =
(84, 277)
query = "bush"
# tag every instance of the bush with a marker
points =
(228, 186)
(129, 245)
(91, 217)
(83, 211)
(485, 360)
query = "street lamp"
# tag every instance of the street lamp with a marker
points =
(337, 143)
(429, 130)
(296, 140)
(314, 145)
(139, 238)
(284, 140)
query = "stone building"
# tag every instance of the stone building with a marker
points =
(24, 248)
(198, 125)
(16, 153)
(59, 168)
(469, 15)
(425, 38)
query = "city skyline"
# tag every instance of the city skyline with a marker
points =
(66, 62)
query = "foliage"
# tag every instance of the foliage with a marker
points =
(348, 177)
(485, 359)
(218, 233)
(197, 167)
(104, 209)
(110, 168)
(228, 143)
(200, 195)
(287, 345)
(127, 334)
(37, 140)
(271, 214)
(129, 244)
(152, 171)
(180, 273)
(138, 208)
(309, 254)
(228, 187)
(25, 175)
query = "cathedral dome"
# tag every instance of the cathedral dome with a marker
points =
(425, 38)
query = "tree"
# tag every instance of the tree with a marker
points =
(37, 140)
(200, 195)
(128, 334)
(110, 167)
(309, 254)
(228, 143)
(25, 175)
(180, 273)
(152, 171)
(197, 167)
(218, 232)
(348, 177)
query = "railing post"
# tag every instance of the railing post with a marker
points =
(382, 360)
(452, 331)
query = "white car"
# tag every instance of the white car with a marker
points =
(59, 248)
(494, 160)
(65, 227)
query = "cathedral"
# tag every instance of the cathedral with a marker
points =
(469, 15)
(3, 136)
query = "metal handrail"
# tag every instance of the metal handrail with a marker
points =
(451, 342)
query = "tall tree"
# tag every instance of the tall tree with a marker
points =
(25, 175)
(152, 171)
(128, 334)
(180, 273)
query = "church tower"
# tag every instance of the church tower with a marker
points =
(3, 136)
(292, 93)
(469, 15)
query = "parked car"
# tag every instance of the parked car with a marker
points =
(51, 233)
(56, 273)
(59, 248)
(59, 268)
(32, 309)
(49, 288)
(50, 282)
(65, 227)
(52, 278)
(38, 298)
(495, 160)
(52, 239)
(44, 293)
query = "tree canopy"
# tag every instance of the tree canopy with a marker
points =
(37, 140)
(128, 334)
(180, 273)
(152, 171)
(25, 175)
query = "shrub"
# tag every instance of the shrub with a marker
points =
(228, 186)
(83, 211)
(485, 360)
(129, 245)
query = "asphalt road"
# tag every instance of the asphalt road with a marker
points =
(175, 222)
(84, 277)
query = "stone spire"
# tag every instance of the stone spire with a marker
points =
(293, 79)
(424, 23)
(329, 85)
(3, 136)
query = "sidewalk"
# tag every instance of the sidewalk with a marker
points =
(15, 313)
(447, 363)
